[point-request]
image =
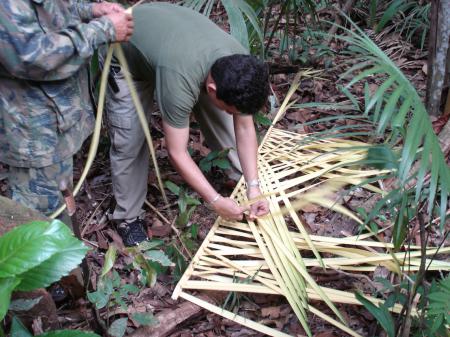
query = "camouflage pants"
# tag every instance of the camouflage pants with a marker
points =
(38, 188)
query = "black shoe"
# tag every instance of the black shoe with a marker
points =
(132, 232)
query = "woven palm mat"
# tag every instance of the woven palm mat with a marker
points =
(294, 170)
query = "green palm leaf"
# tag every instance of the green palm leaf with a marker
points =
(239, 14)
(399, 106)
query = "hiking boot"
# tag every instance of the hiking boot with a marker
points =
(132, 232)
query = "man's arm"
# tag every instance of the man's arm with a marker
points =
(176, 142)
(27, 52)
(247, 148)
(89, 10)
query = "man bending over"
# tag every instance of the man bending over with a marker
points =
(189, 65)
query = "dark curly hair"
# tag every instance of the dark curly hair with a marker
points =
(241, 81)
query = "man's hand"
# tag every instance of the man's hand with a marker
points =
(123, 25)
(228, 209)
(260, 207)
(104, 8)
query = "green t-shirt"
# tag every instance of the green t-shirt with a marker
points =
(175, 47)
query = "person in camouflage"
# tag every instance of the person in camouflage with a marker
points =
(45, 107)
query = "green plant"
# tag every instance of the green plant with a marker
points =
(215, 159)
(19, 330)
(112, 292)
(406, 17)
(438, 310)
(189, 238)
(417, 167)
(434, 304)
(180, 261)
(35, 255)
(150, 261)
(394, 116)
(294, 14)
(184, 201)
(233, 300)
(242, 17)
(397, 109)
(261, 120)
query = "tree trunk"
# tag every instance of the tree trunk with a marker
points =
(437, 53)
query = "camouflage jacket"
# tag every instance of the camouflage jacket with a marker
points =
(45, 108)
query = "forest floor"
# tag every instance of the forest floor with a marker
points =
(95, 202)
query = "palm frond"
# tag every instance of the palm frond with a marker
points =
(397, 105)
(241, 17)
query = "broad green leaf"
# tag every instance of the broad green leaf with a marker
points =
(204, 165)
(110, 258)
(118, 327)
(27, 246)
(222, 163)
(381, 314)
(212, 155)
(106, 285)
(147, 245)
(261, 119)
(130, 288)
(24, 304)
(175, 189)
(192, 201)
(144, 318)
(18, 329)
(148, 271)
(116, 280)
(61, 263)
(158, 256)
(7, 286)
(98, 298)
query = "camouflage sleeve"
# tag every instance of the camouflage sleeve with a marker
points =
(28, 51)
(84, 10)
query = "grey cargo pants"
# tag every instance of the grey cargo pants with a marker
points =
(129, 152)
